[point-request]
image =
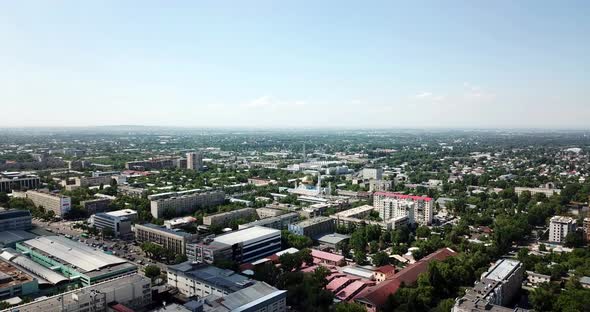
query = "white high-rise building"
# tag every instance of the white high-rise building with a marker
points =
(559, 227)
(418, 209)
(194, 161)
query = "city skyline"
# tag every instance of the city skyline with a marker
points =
(295, 65)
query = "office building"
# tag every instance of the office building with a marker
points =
(17, 181)
(59, 204)
(313, 228)
(202, 280)
(15, 282)
(93, 206)
(194, 161)
(172, 239)
(13, 219)
(418, 209)
(372, 173)
(224, 218)
(559, 227)
(179, 222)
(179, 203)
(280, 222)
(119, 222)
(242, 246)
(74, 260)
(496, 288)
(126, 293)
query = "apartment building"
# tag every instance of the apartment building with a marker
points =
(93, 206)
(313, 228)
(156, 163)
(418, 209)
(59, 204)
(372, 173)
(194, 161)
(179, 203)
(559, 227)
(11, 220)
(280, 222)
(171, 239)
(224, 218)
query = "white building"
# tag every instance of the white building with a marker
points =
(59, 204)
(418, 209)
(559, 227)
(118, 221)
(372, 173)
(194, 161)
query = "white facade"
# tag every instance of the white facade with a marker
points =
(393, 205)
(559, 227)
(194, 161)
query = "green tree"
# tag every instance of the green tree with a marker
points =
(152, 271)
(381, 258)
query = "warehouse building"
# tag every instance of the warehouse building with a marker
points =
(15, 282)
(74, 260)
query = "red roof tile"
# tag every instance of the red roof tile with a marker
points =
(386, 269)
(326, 256)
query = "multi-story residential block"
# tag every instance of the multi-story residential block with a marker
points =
(156, 163)
(560, 227)
(372, 173)
(496, 288)
(93, 206)
(202, 280)
(11, 220)
(280, 222)
(127, 293)
(547, 189)
(313, 228)
(178, 203)
(131, 191)
(586, 226)
(59, 204)
(17, 181)
(356, 217)
(242, 246)
(119, 222)
(264, 213)
(380, 185)
(418, 209)
(172, 239)
(224, 218)
(194, 161)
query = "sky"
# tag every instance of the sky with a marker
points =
(304, 64)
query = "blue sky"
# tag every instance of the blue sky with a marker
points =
(296, 63)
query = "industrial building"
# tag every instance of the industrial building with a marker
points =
(11, 220)
(124, 293)
(418, 209)
(17, 181)
(224, 218)
(15, 282)
(241, 246)
(201, 280)
(313, 228)
(74, 260)
(119, 222)
(182, 203)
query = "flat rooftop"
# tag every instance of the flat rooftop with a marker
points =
(122, 213)
(71, 252)
(315, 220)
(226, 279)
(245, 235)
(11, 276)
(502, 270)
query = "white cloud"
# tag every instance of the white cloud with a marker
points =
(423, 95)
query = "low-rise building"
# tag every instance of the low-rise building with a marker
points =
(119, 294)
(15, 282)
(333, 241)
(534, 279)
(327, 258)
(172, 239)
(119, 222)
(313, 228)
(203, 280)
(224, 218)
(11, 220)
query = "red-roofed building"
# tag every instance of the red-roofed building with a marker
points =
(120, 308)
(322, 257)
(375, 297)
(352, 289)
(418, 209)
(383, 272)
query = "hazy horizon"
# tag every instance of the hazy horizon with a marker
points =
(305, 65)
